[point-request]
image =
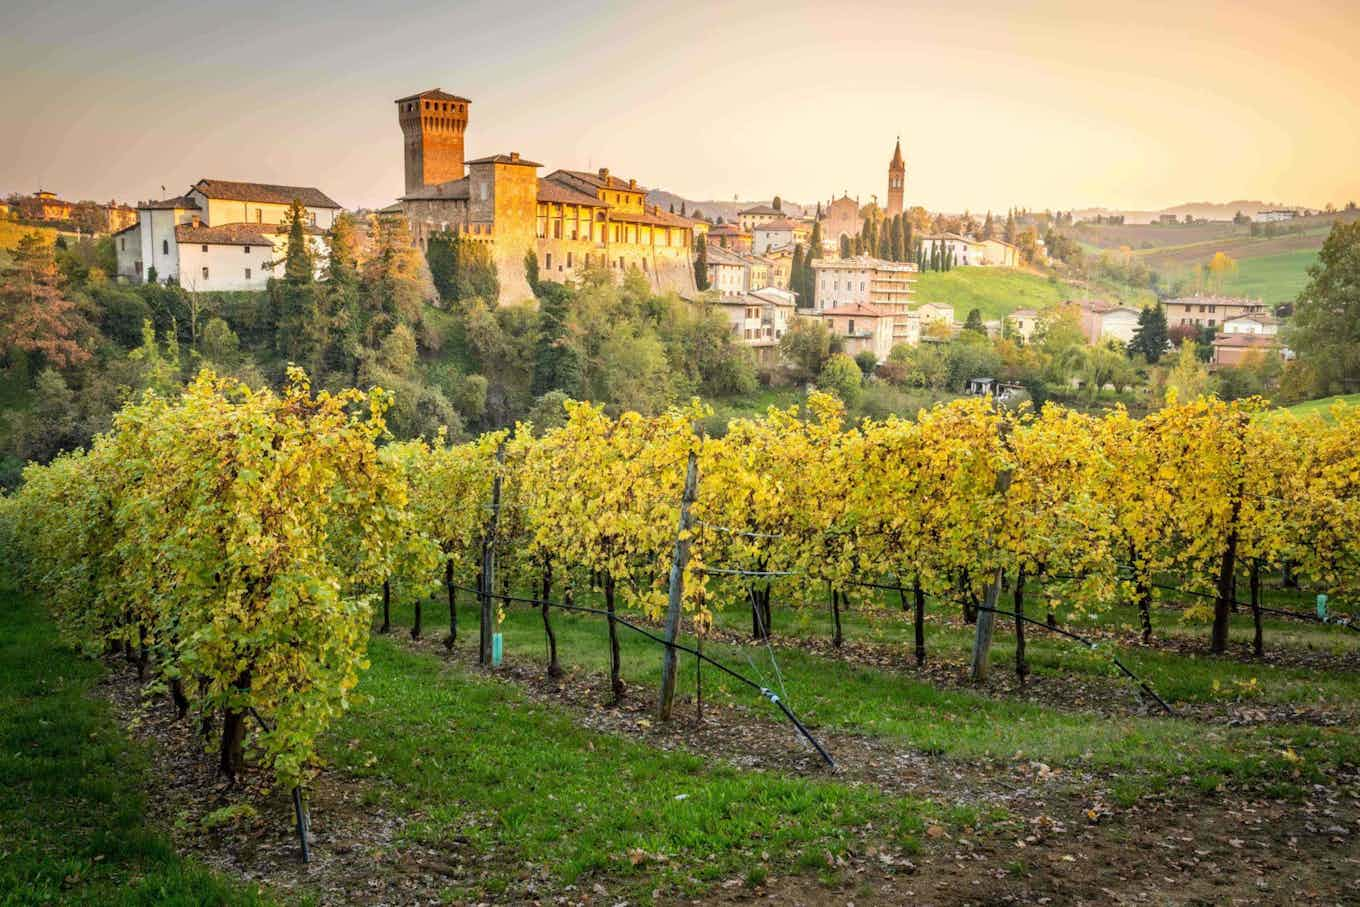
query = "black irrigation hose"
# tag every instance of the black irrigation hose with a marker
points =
(1297, 615)
(1090, 645)
(1038, 623)
(764, 691)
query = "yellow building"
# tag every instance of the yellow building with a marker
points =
(570, 219)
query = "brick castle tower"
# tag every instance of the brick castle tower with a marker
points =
(432, 127)
(897, 178)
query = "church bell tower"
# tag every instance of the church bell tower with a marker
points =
(897, 178)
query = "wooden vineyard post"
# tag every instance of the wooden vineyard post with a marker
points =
(489, 563)
(986, 619)
(677, 589)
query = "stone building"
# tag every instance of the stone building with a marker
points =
(733, 273)
(569, 219)
(44, 205)
(729, 236)
(1209, 311)
(219, 235)
(840, 217)
(886, 286)
(754, 216)
(781, 232)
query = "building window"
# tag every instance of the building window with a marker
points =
(548, 259)
(205, 248)
(247, 273)
(122, 244)
(165, 247)
(259, 216)
(247, 248)
(205, 273)
(569, 259)
(851, 328)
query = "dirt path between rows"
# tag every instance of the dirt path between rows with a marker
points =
(1062, 841)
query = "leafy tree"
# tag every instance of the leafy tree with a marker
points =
(35, 315)
(391, 288)
(1150, 338)
(1188, 378)
(806, 346)
(340, 297)
(1325, 329)
(974, 322)
(845, 246)
(842, 376)
(777, 204)
(1220, 267)
(219, 345)
(867, 362)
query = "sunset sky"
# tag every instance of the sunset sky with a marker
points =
(1043, 104)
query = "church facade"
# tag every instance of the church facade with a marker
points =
(570, 219)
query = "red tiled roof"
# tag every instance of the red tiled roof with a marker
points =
(434, 94)
(762, 209)
(453, 189)
(264, 192)
(240, 234)
(600, 180)
(784, 224)
(511, 158)
(726, 230)
(559, 193)
(1246, 341)
(179, 201)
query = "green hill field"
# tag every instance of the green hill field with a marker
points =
(996, 292)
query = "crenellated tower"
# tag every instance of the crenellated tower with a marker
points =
(897, 178)
(432, 127)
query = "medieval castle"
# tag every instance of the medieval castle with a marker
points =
(569, 219)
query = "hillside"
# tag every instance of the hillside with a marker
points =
(996, 292)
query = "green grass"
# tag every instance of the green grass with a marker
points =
(1323, 405)
(753, 404)
(1273, 278)
(962, 724)
(73, 827)
(465, 756)
(995, 292)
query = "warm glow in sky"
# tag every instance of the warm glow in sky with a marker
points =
(1041, 104)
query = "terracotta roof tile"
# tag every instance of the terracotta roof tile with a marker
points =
(240, 234)
(264, 192)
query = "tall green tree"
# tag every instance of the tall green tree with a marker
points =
(1325, 329)
(898, 250)
(1150, 339)
(701, 267)
(300, 333)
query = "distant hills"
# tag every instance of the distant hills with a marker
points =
(1205, 210)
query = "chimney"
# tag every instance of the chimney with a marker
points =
(514, 155)
(604, 173)
(632, 184)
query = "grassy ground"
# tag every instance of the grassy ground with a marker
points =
(961, 723)
(72, 826)
(1321, 406)
(996, 292)
(475, 760)
(1273, 278)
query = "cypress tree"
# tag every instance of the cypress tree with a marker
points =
(897, 250)
(845, 246)
(796, 271)
(701, 267)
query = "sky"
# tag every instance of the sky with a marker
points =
(1039, 104)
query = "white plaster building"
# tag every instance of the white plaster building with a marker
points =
(1262, 323)
(220, 235)
(965, 251)
(776, 233)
